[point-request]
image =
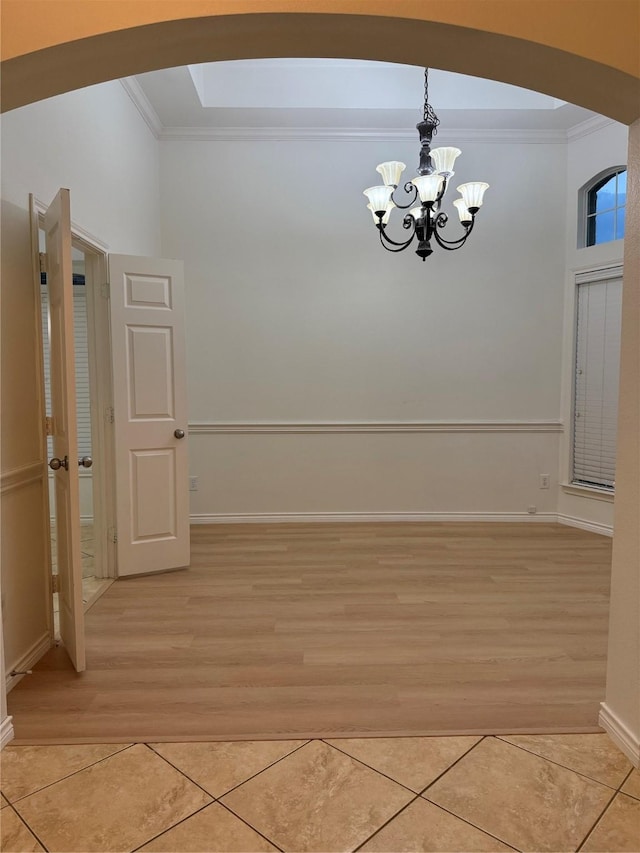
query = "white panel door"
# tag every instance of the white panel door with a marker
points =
(57, 226)
(150, 411)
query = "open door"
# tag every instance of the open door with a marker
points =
(150, 413)
(57, 226)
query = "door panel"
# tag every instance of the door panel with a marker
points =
(57, 226)
(149, 369)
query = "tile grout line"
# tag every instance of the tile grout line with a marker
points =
(453, 814)
(558, 764)
(173, 826)
(626, 779)
(69, 775)
(419, 796)
(277, 761)
(475, 826)
(38, 839)
(246, 822)
(597, 821)
(181, 772)
(444, 772)
(213, 799)
(386, 823)
(369, 767)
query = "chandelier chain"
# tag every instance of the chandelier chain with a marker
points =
(429, 114)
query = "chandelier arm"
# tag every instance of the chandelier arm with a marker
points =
(407, 190)
(452, 244)
(400, 246)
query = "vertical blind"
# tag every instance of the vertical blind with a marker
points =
(82, 365)
(596, 382)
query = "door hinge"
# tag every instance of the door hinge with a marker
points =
(48, 426)
(55, 583)
(113, 535)
(105, 289)
(43, 261)
(109, 415)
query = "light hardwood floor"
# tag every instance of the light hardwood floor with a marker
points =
(340, 629)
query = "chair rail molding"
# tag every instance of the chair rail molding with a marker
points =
(362, 427)
(24, 475)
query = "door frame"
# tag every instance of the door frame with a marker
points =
(101, 385)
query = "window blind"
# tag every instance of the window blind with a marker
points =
(82, 366)
(596, 382)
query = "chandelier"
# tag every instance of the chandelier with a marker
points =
(425, 221)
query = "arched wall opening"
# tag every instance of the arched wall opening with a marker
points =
(105, 54)
(541, 46)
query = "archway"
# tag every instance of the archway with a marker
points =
(592, 60)
(53, 47)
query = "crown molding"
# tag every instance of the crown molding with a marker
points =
(493, 136)
(362, 427)
(351, 134)
(586, 128)
(144, 106)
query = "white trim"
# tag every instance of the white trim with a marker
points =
(607, 272)
(6, 732)
(28, 660)
(620, 734)
(587, 492)
(16, 478)
(583, 524)
(144, 106)
(350, 517)
(509, 136)
(360, 427)
(78, 233)
(585, 128)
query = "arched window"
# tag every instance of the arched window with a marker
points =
(603, 201)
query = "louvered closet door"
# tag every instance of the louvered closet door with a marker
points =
(83, 398)
(596, 382)
(57, 227)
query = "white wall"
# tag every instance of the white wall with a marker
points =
(296, 314)
(587, 156)
(95, 143)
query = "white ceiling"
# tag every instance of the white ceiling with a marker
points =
(332, 93)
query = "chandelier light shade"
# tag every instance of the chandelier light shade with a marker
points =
(391, 172)
(425, 221)
(386, 216)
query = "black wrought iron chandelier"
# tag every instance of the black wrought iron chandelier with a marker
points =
(424, 220)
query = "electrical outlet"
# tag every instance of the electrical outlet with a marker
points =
(544, 481)
(532, 510)
(193, 484)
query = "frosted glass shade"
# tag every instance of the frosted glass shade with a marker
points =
(379, 197)
(428, 186)
(391, 172)
(385, 218)
(472, 193)
(416, 212)
(463, 211)
(443, 160)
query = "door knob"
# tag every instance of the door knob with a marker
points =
(179, 433)
(85, 462)
(56, 463)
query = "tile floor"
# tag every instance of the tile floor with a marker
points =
(528, 793)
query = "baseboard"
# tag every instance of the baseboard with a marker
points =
(350, 517)
(594, 527)
(620, 734)
(6, 731)
(28, 660)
